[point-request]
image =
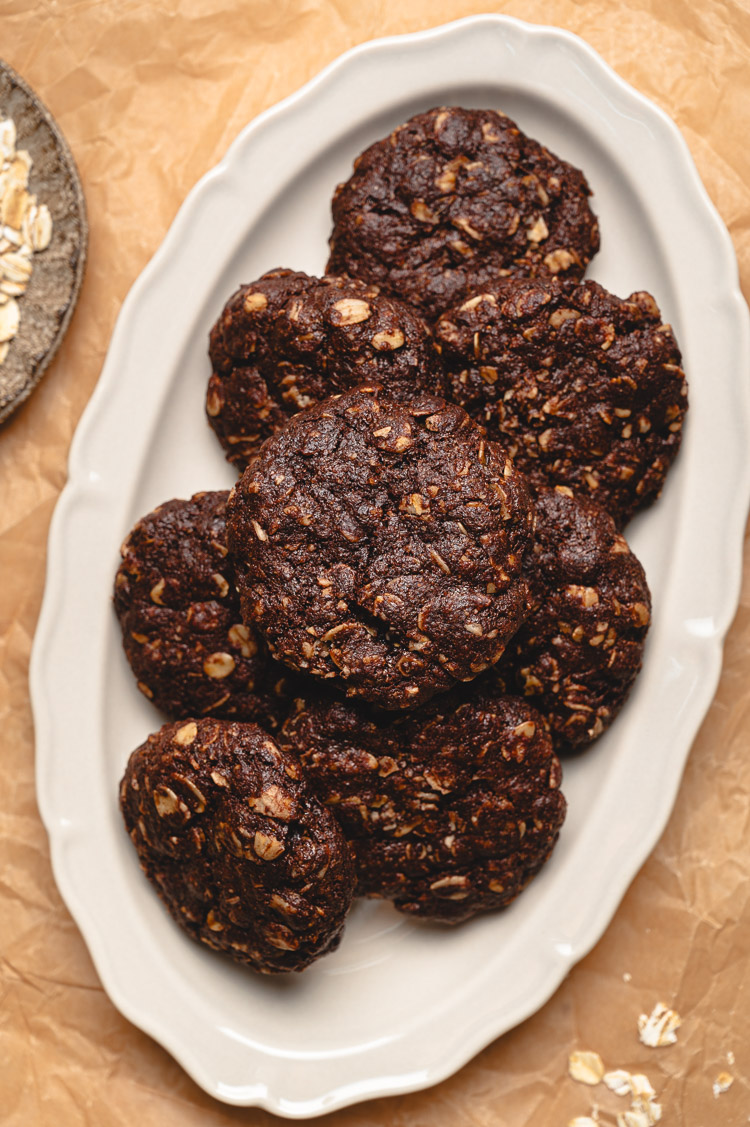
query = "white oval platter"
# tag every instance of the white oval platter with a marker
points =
(399, 1006)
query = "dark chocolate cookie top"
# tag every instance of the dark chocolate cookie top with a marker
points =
(179, 611)
(288, 340)
(586, 388)
(382, 545)
(449, 810)
(454, 199)
(243, 855)
(577, 655)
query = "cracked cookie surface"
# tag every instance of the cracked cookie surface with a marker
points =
(585, 388)
(454, 199)
(179, 612)
(382, 545)
(242, 854)
(450, 810)
(288, 340)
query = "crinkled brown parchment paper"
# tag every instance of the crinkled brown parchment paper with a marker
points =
(149, 96)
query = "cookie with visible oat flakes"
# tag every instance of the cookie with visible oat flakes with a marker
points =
(179, 612)
(288, 340)
(449, 810)
(381, 545)
(453, 200)
(578, 653)
(242, 854)
(585, 388)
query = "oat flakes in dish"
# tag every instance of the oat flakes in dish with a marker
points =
(242, 854)
(449, 810)
(179, 612)
(288, 340)
(25, 230)
(585, 388)
(453, 200)
(381, 545)
(578, 653)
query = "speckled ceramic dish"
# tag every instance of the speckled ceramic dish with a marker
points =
(47, 305)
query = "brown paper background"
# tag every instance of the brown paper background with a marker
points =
(149, 96)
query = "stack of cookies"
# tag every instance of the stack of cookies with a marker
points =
(418, 594)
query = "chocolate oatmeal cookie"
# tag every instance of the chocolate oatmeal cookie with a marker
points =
(179, 612)
(242, 854)
(455, 199)
(382, 545)
(578, 653)
(450, 810)
(288, 340)
(586, 389)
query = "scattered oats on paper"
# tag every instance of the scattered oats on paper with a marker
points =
(618, 1081)
(640, 1115)
(722, 1083)
(585, 1067)
(641, 1087)
(644, 1110)
(658, 1028)
(654, 1029)
(25, 228)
